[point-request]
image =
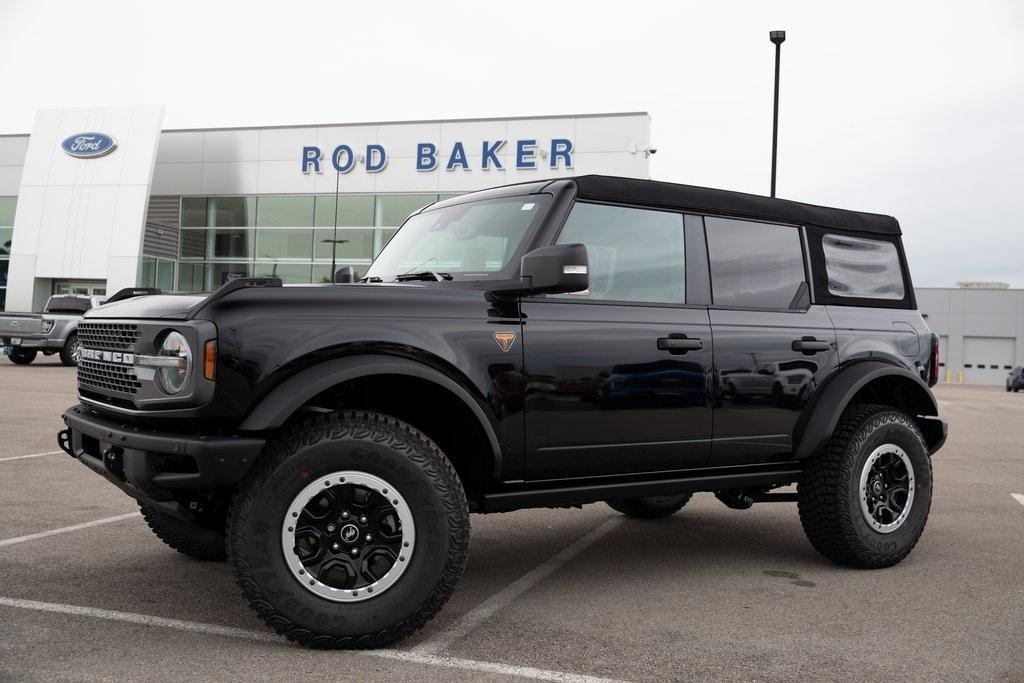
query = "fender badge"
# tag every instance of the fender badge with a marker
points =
(505, 340)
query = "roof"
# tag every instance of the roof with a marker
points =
(741, 204)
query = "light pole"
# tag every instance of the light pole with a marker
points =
(777, 37)
(334, 239)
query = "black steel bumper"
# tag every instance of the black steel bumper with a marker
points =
(150, 465)
(935, 431)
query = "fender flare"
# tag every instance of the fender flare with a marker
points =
(71, 329)
(819, 420)
(286, 398)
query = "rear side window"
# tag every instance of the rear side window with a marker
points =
(862, 268)
(754, 265)
(634, 255)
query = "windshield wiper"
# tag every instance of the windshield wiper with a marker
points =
(372, 278)
(423, 275)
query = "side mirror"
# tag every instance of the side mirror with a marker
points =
(555, 270)
(344, 275)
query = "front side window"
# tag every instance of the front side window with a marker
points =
(634, 255)
(754, 265)
(475, 240)
(863, 268)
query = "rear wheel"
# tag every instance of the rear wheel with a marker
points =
(72, 351)
(864, 499)
(651, 507)
(351, 532)
(189, 539)
(22, 356)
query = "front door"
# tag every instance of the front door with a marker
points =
(618, 377)
(772, 348)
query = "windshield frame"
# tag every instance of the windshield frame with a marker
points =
(510, 269)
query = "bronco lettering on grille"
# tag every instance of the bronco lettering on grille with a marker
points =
(109, 356)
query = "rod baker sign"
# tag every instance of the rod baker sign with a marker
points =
(522, 154)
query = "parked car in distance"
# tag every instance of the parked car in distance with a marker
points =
(55, 330)
(1015, 380)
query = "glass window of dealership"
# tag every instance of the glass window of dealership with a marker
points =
(287, 236)
(7, 205)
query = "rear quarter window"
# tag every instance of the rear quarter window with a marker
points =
(862, 268)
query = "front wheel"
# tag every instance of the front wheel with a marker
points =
(351, 532)
(72, 351)
(22, 356)
(864, 499)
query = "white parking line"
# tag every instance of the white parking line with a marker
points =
(499, 600)
(1019, 497)
(67, 529)
(247, 634)
(34, 455)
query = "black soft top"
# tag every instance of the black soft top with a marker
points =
(741, 204)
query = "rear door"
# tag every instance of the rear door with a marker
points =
(772, 347)
(618, 376)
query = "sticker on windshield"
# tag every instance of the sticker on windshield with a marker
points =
(528, 207)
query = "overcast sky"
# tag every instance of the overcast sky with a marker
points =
(915, 109)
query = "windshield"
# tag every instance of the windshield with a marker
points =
(467, 241)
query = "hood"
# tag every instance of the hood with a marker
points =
(162, 306)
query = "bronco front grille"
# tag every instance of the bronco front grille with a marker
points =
(108, 336)
(108, 376)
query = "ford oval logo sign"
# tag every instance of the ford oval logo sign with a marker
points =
(88, 145)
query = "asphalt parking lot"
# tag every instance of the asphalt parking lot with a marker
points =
(710, 593)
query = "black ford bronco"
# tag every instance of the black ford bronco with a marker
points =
(547, 344)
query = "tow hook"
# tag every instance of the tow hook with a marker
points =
(64, 442)
(114, 462)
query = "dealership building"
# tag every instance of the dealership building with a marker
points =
(96, 199)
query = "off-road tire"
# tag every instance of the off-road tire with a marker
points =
(829, 495)
(361, 441)
(22, 357)
(188, 539)
(66, 352)
(651, 507)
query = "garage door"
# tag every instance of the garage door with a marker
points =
(987, 360)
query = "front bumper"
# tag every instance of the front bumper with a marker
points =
(151, 465)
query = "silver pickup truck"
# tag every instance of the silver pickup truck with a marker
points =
(24, 335)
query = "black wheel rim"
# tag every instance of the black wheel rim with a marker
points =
(887, 488)
(348, 536)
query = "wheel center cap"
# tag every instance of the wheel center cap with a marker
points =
(877, 488)
(349, 533)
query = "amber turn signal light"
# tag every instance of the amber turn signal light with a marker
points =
(210, 360)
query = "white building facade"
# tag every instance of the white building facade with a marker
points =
(96, 199)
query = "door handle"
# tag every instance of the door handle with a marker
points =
(678, 344)
(809, 345)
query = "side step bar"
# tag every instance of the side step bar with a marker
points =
(506, 501)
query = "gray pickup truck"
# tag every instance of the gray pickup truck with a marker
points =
(55, 330)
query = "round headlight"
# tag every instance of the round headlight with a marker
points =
(174, 376)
